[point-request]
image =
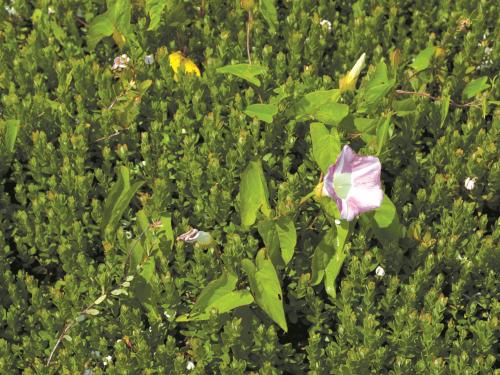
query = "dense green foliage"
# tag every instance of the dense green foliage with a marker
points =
(100, 168)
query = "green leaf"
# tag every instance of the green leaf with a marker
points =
(119, 198)
(270, 14)
(322, 255)
(475, 87)
(228, 302)
(214, 291)
(165, 232)
(383, 133)
(92, 312)
(378, 86)
(100, 299)
(266, 288)
(148, 269)
(246, 71)
(100, 27)
(404, 107)
(154, 9)
(218, 295)
(253, 193)
(115, 20)
(445, 105)
(322, 105)
(287, 235)
(366, 127)
(280, 238)
(423, 59)
(383, 221)
(9, 130)
(385, 214)
(325, 145)
(263, 112)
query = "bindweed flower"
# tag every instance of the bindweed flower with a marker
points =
(470, 183)
(196, 236)
(354, 183)
(177, 59)
(120, 62)
(348, 82)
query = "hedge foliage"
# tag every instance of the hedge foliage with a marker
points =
(101, 169)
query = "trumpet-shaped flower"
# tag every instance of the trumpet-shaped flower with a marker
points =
(196, 236)
(354, 183)
(177, 59)
(348, 82)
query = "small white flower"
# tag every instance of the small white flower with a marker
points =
(120, 62)
(190, 366)
(470, 183)
(379, 271)
(149, 59)
(337, 221)
(10, 10)
(183, 131)
(327, 24)
(50, 11)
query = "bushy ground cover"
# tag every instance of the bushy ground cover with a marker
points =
(103, 166)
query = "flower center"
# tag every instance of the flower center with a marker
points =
(342, 184)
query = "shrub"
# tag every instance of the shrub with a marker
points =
(101, 167)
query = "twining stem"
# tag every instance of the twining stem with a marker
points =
(249, 26)
(426, 95)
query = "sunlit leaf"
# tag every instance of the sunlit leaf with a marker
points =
(325, 145)
(264, 112)
(246, 71)
(265, 287)
(253, 193)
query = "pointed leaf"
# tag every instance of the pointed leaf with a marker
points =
(154, 9)
(264, 112)
(445, 105)
(335, 264)
(325, 144)
(9, 130)
(287, 235)
(266, 288)
(383, 133)
(215, 290)
(423, 59)
(246, 71)
(475, 87)
(253, 193)
(270, 14)
(378, 86)
(119, 198)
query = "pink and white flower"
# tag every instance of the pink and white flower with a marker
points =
(354, 183)
(120, 62)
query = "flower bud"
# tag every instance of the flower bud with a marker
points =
(348, 82)
(202, 239)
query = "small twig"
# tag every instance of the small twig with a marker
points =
(117, 132)
(82, 22)
(435, 98)
(249, 25)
